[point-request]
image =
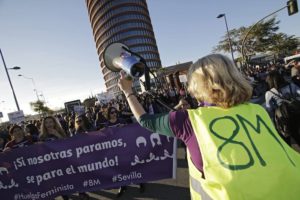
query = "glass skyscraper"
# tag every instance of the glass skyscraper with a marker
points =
(125, 21)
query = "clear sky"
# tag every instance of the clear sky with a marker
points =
(52, 42)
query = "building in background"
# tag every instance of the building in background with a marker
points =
(125, 21)
(173, 73)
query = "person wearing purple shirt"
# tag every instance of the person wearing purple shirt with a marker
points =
(169, 127)
(18, 138)
(112, 119)
(222, 138)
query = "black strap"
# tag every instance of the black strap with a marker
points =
(281, 97)
(277, 94)
(293, 96)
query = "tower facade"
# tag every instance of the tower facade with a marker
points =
(125, 21)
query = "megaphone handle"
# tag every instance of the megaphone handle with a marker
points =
(161, 102)
(127, 76)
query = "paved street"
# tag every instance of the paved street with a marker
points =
(169, 189)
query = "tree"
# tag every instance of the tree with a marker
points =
(235, 36)
(263, 38)
(283, 44)
(40, 107)
(260, 38)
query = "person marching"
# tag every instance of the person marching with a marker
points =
(18, 138)
(234, 149)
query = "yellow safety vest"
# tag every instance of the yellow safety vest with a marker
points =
(243, 156)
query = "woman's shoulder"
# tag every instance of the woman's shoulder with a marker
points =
(269, 94)
(120, 119)
(49, 137)
(294, 87)
(288, 89)
(10, 143)
(179, 115)
(273, 92)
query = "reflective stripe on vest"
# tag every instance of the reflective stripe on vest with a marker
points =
(196, 190)
(243, 155)
(196, 186)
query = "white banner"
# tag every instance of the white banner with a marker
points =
(79, 110)
(16, 117)
(183, 78)
(105, 97)
(70, 105)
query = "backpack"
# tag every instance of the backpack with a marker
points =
(287, 118)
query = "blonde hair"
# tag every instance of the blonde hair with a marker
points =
(44, 132)
(215, 79)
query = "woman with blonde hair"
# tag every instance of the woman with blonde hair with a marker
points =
(234, 151)
(51, 129)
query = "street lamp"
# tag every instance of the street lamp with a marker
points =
(15, 68)
(11, 86)
(34, 86)
(250, 29)
(42, 95)
(228, 35)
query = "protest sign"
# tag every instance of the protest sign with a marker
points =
(69, 106)
(79, 110)
(16, 117)
(105, 97)
(87, 162)
(183, 78)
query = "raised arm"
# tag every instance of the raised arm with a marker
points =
(126, 86)
(158, 123)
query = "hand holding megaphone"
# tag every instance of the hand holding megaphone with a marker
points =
(124, 83)
(117, 57)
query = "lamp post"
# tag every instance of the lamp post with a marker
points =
(34, 86)
(228, 35)
(1, 102)
(42, 95)
(11, 86)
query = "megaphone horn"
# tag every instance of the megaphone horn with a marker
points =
(117, 57)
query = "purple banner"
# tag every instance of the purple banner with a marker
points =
(87, 162)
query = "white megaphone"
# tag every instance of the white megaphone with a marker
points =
(117, 57)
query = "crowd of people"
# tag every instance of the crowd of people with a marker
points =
(114, 113)
(222, 88)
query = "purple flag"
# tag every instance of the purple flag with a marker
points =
(87, 162)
